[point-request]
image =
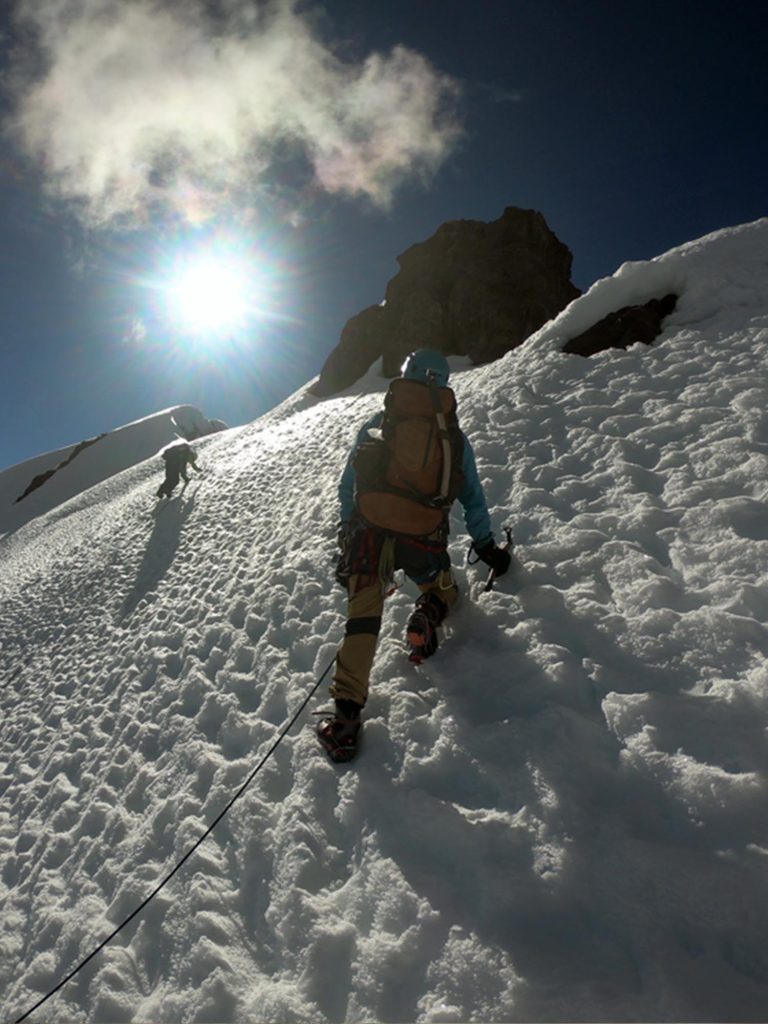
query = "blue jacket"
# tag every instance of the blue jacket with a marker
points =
(472, 497)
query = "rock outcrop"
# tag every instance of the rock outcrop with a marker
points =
(43, 477)
(474, 288)
(624, 327)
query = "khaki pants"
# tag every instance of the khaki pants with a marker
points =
(366, 602)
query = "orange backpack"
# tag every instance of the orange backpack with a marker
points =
(408, 478)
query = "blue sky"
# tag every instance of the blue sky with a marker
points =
(312, 145)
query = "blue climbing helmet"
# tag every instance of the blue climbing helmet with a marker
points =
(426, 362)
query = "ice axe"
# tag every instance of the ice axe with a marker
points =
(491, 572)
(509, 543)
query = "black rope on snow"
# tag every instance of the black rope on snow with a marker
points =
(188, 854)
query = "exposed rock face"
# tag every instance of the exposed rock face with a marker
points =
(625, 327)
(474, 288)
(42, 478)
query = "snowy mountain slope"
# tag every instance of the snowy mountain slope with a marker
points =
(562, 816)
(48, 480)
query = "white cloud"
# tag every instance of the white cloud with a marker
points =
(140, 102)
(136, 333)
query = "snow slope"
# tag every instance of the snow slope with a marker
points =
(562, 816)
(77, 467)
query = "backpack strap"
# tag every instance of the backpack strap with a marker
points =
(445, 439)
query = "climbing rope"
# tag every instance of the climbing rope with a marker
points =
(161, 885)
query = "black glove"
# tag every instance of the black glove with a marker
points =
(497, 558)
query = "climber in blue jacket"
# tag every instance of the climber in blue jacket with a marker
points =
(407, 466)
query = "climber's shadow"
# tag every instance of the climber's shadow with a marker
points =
(167, 522)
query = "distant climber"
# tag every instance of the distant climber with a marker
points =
(408, 465)
(179, 457)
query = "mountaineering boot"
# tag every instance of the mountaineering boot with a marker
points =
(338, 732)
(421, 631)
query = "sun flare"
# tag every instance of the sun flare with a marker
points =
(210, 295)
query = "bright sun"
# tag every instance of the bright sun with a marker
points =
(210, 295)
